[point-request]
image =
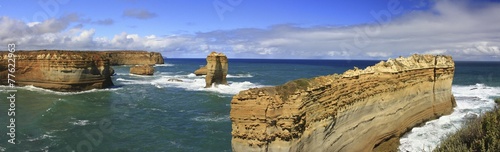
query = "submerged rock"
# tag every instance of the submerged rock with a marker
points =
(142, 69)
(175, 80)
(355, 111)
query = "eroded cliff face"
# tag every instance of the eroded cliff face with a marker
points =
(142, 70)
(354, 111)
(216, 69)
(70, 70)
(132, 57)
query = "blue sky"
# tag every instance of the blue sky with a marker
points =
(323, 29)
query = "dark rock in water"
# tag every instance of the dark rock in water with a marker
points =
(142, 70)
(175, 80)
(111, 71)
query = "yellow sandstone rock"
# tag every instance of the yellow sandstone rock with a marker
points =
(71, 70)
(216, 69)
(201, 71)
(354, 111)
(142, 69)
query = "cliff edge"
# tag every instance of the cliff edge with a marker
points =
(71, 70)
(354, 111)
(132, 57)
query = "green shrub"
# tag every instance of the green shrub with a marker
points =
(481, 134)
(290, 87)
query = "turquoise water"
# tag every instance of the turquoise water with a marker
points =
(151, 113)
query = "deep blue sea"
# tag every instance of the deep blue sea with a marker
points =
(151, 113)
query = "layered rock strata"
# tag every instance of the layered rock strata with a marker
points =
(354, 111)
(216, 69)
(201, 71)
(70, 70)
(132, 57)
(142, 70)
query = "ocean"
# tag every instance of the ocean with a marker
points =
(159, 113)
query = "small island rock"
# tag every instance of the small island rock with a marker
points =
(201, 71)
(216, 69)
(142, 69)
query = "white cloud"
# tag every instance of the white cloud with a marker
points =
(438, 51)
(378, 54)
(31, 24)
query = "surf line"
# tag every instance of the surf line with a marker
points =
(12, 93)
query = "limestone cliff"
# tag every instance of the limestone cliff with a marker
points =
(71, 70)
(216, 69)
(142, 69)
(354, 111)
(132, 57)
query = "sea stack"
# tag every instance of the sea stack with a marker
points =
(216, 69)
(63, 70)
(142, 69)
(359, 110)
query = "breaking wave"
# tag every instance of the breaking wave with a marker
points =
(472, 101)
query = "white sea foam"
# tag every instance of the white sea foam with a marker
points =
(191, 82)
(192, 75)
(122, 73)
(211, 118)
(164, 65)
(160, 110)
(165, 73)
(129, 81)
(239, 76)
(42, 90)
(44, 136)
(471, 101)
(80, 122)
(199, 85)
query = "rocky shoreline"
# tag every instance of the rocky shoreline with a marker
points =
(65, 70)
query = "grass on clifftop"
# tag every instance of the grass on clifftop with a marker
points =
(481, 134)
(290, 87)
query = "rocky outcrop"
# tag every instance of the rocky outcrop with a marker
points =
(71, 70)
(354, 111)
(59, 70)
(142, 70)
(216, 69)
(132, 57)
(201, 71)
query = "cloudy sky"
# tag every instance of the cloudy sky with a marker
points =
(294, 29)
